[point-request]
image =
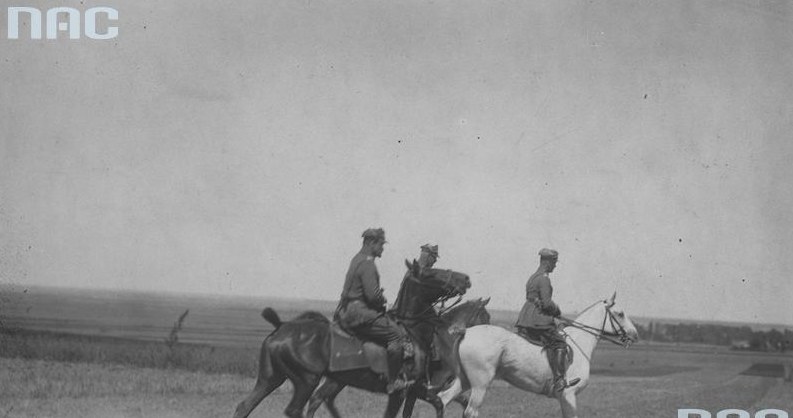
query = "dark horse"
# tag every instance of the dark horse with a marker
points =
(299, 350)
(450, 330)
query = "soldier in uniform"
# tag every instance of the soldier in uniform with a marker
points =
(536, 320)
(427, 259)
(361, 310)
(428, 256)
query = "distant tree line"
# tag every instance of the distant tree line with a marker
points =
(739, 338)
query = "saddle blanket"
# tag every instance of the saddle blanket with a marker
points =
(348, 352)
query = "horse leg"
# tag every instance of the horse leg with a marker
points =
(436, 403)
(451, 393)
(268, 380)
(326, 393)
(394, 402)
(410, 402)
(567, 401)
(475, 401)
(462, 399)
(420, 392)
(304, 384)
(260, 391)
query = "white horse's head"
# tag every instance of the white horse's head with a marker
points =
(618, 324)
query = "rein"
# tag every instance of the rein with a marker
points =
(443, 309)
(610, 336)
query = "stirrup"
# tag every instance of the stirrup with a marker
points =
(557, 387)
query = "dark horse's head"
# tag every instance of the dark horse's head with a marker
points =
(423, 287)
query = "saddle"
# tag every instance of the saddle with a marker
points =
(348, 352)
(538, 342)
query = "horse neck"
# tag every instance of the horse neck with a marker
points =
(593, 318)
(460, 316)
(411, 302)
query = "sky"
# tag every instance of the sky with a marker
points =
(243, 148)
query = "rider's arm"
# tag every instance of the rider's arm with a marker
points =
(370, 281)
(547, 305)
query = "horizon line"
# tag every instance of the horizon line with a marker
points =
(286, 298)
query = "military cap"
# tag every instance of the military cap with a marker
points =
(432, 249)
(549, 253)
(374, 234)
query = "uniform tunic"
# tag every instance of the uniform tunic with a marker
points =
(539, 309)
(362, 299)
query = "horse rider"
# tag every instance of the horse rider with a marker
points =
(428, 256)
(536, 320)
(362, 307)
(427, 259)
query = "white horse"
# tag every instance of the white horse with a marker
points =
(488, 352)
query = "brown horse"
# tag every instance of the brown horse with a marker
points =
(452, 326)
(299, 350)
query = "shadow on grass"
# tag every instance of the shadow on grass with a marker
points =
(765, 370)
(651, 371)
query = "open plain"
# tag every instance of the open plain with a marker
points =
(75, 354)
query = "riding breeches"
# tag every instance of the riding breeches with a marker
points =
(385, 331)
(382, 330)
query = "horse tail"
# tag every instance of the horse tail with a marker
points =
(269, 314)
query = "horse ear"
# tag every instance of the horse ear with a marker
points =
(407, 264)
(486, 301)
(611, 300)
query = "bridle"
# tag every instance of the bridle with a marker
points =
(619, 336)
(449, 292)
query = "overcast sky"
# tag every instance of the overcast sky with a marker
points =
(242, 149)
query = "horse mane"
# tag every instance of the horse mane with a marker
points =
(470, 305)
(464, 305)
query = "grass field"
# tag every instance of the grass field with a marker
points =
(102, 355)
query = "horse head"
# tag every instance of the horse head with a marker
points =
(423, 287)
(465, 315)
(608, 321)
(442, 282)
(617, 323)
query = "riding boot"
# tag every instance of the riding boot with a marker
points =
(395, 383)
(559, 369)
